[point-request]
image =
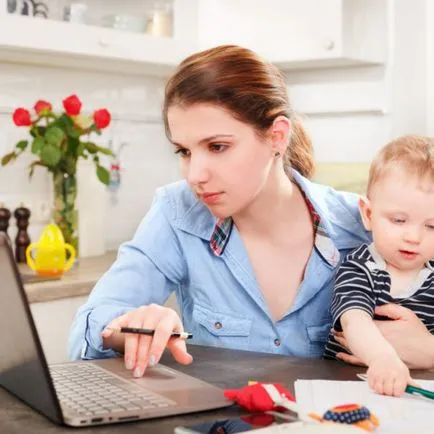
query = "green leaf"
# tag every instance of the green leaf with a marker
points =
(51, 155)
(74, 132)
(103, 174)
(70, 164)
(54, 136)
(33, 165)
(37, 144)
(105, 151)
(22, 144)
(66, 124)
(73, 144)
(91, 148)
(8, 158)
(37, 131)
(65, 120)
(80, 150)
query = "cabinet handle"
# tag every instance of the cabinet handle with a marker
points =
(103, 42)
(329, 44)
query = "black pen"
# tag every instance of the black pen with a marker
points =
(149, 332)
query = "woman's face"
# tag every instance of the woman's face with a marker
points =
(224, 161)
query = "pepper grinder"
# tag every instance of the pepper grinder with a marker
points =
(22, 240)
(5, 215)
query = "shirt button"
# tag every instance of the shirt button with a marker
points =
(277, 342)
(218, 325)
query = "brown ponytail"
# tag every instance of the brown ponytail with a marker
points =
(253, 90)
(299, 153)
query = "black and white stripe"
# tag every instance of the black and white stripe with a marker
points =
(363, 283)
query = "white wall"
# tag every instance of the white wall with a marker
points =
(350, 112)
(344, 110)
(429, 106)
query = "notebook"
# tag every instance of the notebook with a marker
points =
(404, 415)
(84, 393)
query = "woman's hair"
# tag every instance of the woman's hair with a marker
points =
(252, 90)
(413, 153)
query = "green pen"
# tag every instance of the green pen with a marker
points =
(419, 391)
(412, 390)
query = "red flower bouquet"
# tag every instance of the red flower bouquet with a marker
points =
(58, 141)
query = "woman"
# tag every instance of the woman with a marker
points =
(247, 242)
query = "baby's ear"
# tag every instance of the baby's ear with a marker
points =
(365, 211)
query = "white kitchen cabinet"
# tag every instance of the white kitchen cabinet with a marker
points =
(299, 34)
(53, 320)
(36, 40)
(289, 33)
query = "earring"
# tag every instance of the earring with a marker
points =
(277, 154)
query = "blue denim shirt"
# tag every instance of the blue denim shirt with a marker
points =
(180, 247)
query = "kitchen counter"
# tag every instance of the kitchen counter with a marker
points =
(78, 281)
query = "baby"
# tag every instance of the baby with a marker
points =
(397, 267)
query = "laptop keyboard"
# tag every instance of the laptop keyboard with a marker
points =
(90, 390)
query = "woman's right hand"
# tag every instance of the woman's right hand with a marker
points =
(141, 351)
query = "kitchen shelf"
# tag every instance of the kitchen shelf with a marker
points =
(34, 40)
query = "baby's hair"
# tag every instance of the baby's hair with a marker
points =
(415, 154)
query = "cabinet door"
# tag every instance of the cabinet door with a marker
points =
(53, 320)
(294, 33)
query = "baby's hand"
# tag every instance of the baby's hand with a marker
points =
(388, 375)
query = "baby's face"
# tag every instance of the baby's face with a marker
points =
(401, 218)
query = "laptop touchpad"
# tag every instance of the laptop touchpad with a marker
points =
(162, 379)
(159, 378)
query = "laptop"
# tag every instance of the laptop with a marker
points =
(83, 393)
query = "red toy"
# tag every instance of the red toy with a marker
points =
(255, 397)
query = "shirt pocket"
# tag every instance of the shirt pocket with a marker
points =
(318, 336)
(223, 329)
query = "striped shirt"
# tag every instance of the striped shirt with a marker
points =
(362, 282)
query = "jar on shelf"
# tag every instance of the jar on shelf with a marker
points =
(160, 18)
(75, 13)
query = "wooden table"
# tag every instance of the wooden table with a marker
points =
(224, 368)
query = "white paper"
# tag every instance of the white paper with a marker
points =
(408, 414)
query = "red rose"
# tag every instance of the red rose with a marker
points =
(21, 117)
(41, 106)
(72, 105)
(102, 118)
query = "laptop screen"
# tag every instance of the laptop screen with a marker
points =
(23, 369)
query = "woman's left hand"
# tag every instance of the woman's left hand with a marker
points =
(406, 333)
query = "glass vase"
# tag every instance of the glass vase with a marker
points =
(65, 213)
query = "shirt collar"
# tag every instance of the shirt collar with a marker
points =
(323, 242)
(380, 264)
(220, 235)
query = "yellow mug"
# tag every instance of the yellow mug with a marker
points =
(50, 256)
